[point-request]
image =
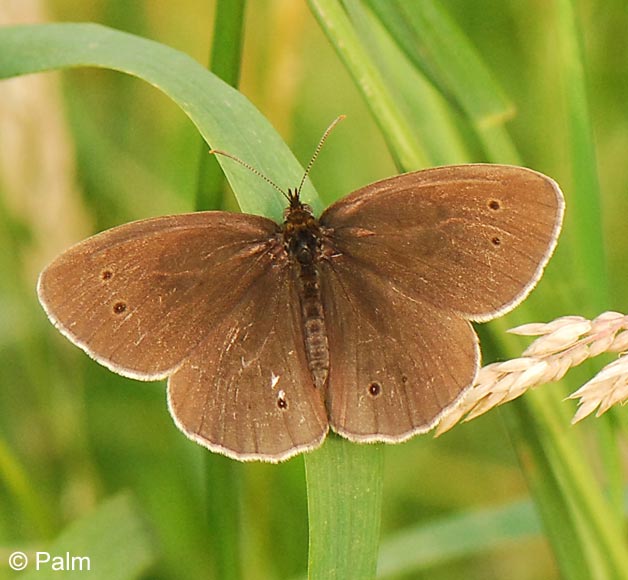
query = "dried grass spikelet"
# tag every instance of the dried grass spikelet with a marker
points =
(564, 343)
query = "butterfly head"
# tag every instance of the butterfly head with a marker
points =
(300, 229)
(294, 203)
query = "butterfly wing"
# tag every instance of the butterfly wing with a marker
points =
(396, 364)
(139, 297)
(207, 298)
(473, 239)
(409, 260)
(246, 390)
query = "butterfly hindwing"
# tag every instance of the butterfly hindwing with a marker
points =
(396, 364)
(246, 390)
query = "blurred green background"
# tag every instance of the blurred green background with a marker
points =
(89, 149)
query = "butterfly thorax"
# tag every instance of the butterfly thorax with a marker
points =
(301, 232)
(301, 237)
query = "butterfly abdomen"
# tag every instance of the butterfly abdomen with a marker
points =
(314, 329)
(301, 234)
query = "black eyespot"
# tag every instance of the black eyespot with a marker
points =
(494, 204)
(496, 241)
(375, 389)
(107, 275)
(282, 403)
(119, 307)
(404, 379)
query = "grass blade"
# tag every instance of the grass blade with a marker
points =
(219, 112)
(585, 217)
(344, 504)
(462, 534)
(227, 39)
(222, 476)
(441, 50)
(404, 144)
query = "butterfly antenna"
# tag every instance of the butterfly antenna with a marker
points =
(318, 149)
(252, 169)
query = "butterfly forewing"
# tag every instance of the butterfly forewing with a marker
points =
(139, 297)
(472, 239)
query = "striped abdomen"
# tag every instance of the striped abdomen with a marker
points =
(301, 235)
(313, 318)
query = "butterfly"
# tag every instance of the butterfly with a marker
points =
(357, 320)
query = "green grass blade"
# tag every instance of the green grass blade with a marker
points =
(222, 476)
(344, 479)
(455, 536)
(227, 40)
(344, 504)
(584, 218)
(422, 106)
(404, 144)
(223, 116)
(441, 50)
(534, 426)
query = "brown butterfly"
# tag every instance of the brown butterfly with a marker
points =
(357, 320)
